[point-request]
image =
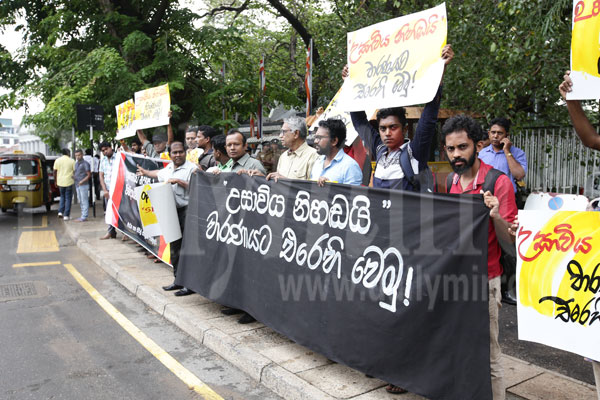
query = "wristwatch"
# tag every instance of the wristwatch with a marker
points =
(509, 155)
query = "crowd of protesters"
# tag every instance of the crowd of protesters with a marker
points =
(484, 163)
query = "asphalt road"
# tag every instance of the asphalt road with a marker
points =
(58, 343)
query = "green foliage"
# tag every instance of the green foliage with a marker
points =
(510, 55)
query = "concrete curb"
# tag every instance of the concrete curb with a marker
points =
(276, 378)
(198, 317)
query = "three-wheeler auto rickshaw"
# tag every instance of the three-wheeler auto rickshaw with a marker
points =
(23, 181)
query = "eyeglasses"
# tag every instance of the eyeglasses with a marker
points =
(284, 131)
(392, 127)
(317, 138)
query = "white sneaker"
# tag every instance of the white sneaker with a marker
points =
(66, 218)
(59, 215)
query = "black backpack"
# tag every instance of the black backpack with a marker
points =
(508, 261)
(424, 181)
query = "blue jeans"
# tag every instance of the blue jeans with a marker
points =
(83, 196)
(64, 206)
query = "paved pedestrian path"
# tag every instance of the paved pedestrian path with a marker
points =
(290, 370)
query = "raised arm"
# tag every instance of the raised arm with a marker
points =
(581, 123)
(170, 136)
(124, 145)
(516, 159)
(360, 121)
(149, 147)
(421, 142)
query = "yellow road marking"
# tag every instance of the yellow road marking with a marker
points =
(165, 358)
(43, 225)
(36, 264)
(37, 242)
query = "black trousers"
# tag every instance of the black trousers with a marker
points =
(96, 182)
(176, 245)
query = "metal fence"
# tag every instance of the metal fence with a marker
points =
(558, 162)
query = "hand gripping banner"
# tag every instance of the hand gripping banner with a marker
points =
(391, 283)
(129, 202)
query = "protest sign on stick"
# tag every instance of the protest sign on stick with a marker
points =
(558, 280)
(585, 50)
(397, 62)
(125, 119)
(152, 107)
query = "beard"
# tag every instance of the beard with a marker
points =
(466, 164)
(323, 151)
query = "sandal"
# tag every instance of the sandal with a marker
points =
(157, 260)
(393, 389)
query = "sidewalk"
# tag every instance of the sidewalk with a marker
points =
(288, 369)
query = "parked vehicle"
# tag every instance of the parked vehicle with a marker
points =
(53, 187)
(23, 181)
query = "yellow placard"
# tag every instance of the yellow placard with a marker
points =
(125, 114)
(147, 215)
(152, 107)
(559, 280)
(397, 62)
(125, 119)
(585, 41)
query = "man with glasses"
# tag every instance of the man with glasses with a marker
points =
(297, 161)
(333, 164)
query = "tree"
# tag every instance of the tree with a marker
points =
(87, 51)
(510, 55)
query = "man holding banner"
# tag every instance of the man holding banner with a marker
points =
(387, 143)
(472, 176)
(333, 164)
(590, 138)
(235, 142)
(178, 174)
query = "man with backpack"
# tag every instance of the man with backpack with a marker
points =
(472, 176)
(400, 164)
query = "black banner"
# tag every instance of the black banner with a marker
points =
(123, 205)
(391, 283)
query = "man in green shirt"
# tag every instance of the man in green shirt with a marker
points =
(224, 162)
(235, 143)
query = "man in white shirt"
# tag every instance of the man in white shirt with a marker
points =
(178, 174)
